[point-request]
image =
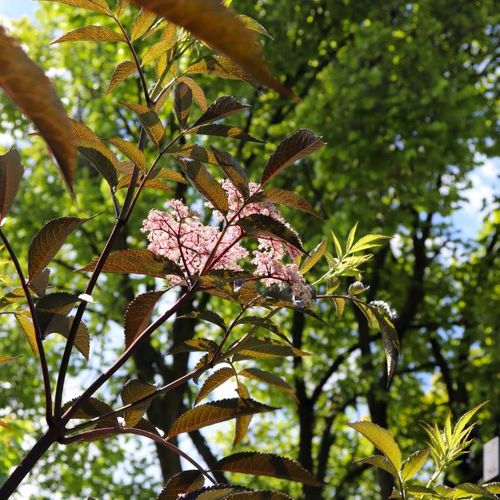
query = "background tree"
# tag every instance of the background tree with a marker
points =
(403, 94)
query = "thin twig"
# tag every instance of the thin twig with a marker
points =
(36, 326)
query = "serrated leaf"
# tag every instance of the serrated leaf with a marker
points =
(182, 482)
(26, 324)
(197, 91)
(91, 34)
(294, 147)
(258, 495)
(47, 242)
(220, 130)
(7, 359)
(62, 325)
(258, 348)
(263, 225)
(131, 151)
(221, 67)
(214, 492)
(213, 381)
(133, 391)
(337, 245)
(91, 408)
(314, 257)
(219, 27)
(170, 175)
(137, 261)
(99, 6)
(391, 343)
(197, 152)
(254, 25)
(283, 197)
(11, 173)
(380, 462)
(121, 73)
(138, 313)
(210, 316)
(157, 50)
(268, 378)
(26, 84)
(258, 321)
(382, 440)
(12, 297)
(233, 170)
(242, 423)
(150, 121)
(142, 23)
(193, 345)
(40, 282)
(465, 418)
(91, 147)
(215, 412)
(183, 97)
(414, 463)
(201, 179)
(221, 108)
(266, 464)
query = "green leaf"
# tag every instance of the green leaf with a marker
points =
(263, 225)
(283, 197)
(99, 6)
(48, 241)
(215, 380)
(294, 147)
(95, 151)
(339, 306)
(422, 491)
(222, 107)
(11, 173)
(464, 420)
(137, 261)
(138, 314)
(382, 440)
(150, 121)
(350, 238)
(267, 464)
(142, 23)
(201, 179)
(338, 246)
(158, 50)
(131, 151)
(133, 391)
(380, 462)
(91, 34)
(492, 487)
(366, 242)
(26, 84)
(196, 90)
(220, 28)
(180, 483)
(121, 73)
(26, 323)
(313, 258)
(475, 490)
(210, 316)
(414, 463)
(252, 24)
(268, 378)
(215, 412)
(229, 131)
(258, 348)
(183, 97)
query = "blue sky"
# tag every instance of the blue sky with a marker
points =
(17, 8)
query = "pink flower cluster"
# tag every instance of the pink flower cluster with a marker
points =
(180, 235)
